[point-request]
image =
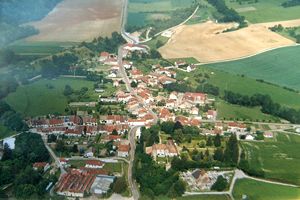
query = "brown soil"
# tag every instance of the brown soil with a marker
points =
(79, 20)
(207, 43)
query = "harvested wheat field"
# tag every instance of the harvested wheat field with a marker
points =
(79, 20)
(207, 43)
(288, 23)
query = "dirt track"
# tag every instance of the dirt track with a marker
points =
(207, 43)
(78, 20)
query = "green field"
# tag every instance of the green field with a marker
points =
(206, 11)
(264, 191)
(38, 48)
(280, 158)
(155, 13)
(235, 112)
(38, 99)
(152, 43)
(242, 85)
(280, 67)
(5, 132)
(266, 10)
(205, 197)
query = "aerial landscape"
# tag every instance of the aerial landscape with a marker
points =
(150, 99)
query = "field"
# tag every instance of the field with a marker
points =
(208, 43)
(39, 99)
(279, 66)
(206, 11)
(242, 85)
(264, 191)
(38, 48)
(5, 132)
(231, 112)
(157, 13)
(265, 10)
(279, 159)
(77, 20)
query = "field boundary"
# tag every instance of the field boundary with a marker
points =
(244, 57)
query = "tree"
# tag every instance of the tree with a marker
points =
(217, 140)
(218, 154)
(7, 153)
(178, 136)
(177, 125)
(220, 184)
(231, 152)
(75, 148)
(115, 132)
(68, 90)
(120, 185)
(209, 142)
(167, 127)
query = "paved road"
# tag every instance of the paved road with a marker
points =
(125, 35)
(259, 123)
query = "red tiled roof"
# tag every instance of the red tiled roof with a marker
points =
(94, 162)
(123, 148)
(40, 164)
(104, 54)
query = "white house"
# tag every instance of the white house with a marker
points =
(94, 164)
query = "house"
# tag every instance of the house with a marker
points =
(249, 137)
(268, 134)
(211, 114)
(127, 65)
(41, 165)
(112, 75)
(194, 111)
(63, 161)
(75, 183)
(162, 150)
(166, 72)
(235, 127)
(171, 104)
(173, 95)
(164, 80)
(135, 73)
(183, 120)
(94, 164)
(135, 47)
(195, 98)
(165, 115)
(137, 122)
(190, 68)
(123, 150)
(103, 56)
(111, 61)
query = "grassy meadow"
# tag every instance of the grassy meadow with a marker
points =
(235, 112)
(38, 48)
(264, 191)
(265, 10)
(278, 158)
(40, 99)
(280, 67)
(5, 132)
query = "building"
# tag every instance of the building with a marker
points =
(211, 114)
(75, 183)
(123, 150)
(41, 166)
(268, 134)
(102, 184)
(162, 150)
(94, 164)
(195, 98)
(103, 56)
(235, 127)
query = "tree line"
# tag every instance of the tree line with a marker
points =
(267, 105)
(229, 14)
(290, 3)
(16, 167)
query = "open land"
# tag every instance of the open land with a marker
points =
(77, 20)
(202, 41)
(265, 11)
(278, 158)
(242, 85)
(264, 191)
(46, 96)
(280, 66)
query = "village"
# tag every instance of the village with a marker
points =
(93, 149)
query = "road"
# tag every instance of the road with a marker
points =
(125, 35)
(131, 181)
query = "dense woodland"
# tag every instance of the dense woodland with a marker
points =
(16, 12)
(291, 3)
(16, 167)
(229, 14)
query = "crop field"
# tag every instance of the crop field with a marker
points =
(202, 41)
(242, 85)
(147, 12)
(264, 191)
(279, 159)
(265, 10)
(77, 20)
(280, 67)
(45, 96)
(236, 112)
(38, 48)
